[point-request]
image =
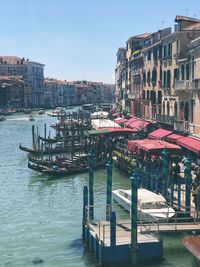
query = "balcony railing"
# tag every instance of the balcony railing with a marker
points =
(165, 119)
(181, 125)
(183, 85)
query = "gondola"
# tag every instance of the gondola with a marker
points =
(55, 150)
(192, 243)
(55, 170)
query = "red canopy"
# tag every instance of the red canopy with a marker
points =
(152, 146)
(115, 114)
(190, 143)
(159, 133)
(137, 123)
(120, 120)
(174, 137)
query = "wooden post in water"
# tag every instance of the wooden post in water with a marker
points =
(134, 200)
(157, 180)
(188, 178)
(165, 155)
(113, 229)
(109, 191)
(172, 191)
(91, 185)
(85, 205)
(152, 175)
(179, 193)
(33, 136)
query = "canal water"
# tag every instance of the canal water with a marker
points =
(40, 219)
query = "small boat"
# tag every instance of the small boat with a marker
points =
(2, 118)
(31, 118)
(59, 111)
(41, 112)
(151, 206)
(192, 243)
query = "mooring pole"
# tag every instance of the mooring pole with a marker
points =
(85, 206)
(134, 198)
(188, 178)
(91, 184)
(152, 176)
(172, 191)
(147, 175)
(113, 229)
(109, 191)
(165, 155)
(179, 193)
(33, 136)
(157, 181)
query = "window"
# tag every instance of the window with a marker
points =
(149, 78)
(187, 71)
(160, 52)
(165, 51)
(182, 72)
(149, 55)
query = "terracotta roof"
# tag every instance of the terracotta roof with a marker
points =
(140, 36)
(178, 18)
(17, 60)
(194, 26)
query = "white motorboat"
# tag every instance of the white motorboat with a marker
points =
(151, 206)
(59, 111)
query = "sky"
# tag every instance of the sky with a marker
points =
(79, 39)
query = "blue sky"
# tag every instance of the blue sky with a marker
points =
(78, 39)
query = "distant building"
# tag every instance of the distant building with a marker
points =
(30, 71)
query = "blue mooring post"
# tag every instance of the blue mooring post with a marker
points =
(109, 191)
(172, 191)
(157, 181)
(85, 205)
(165, 155)
(134, 199)
(188, 178)
(152, 176)
(179, 193)
(147, 176)
(91, 185)
(113, 229)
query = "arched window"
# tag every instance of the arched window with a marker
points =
(182, 72)
(149, 77)
(187, 71)
(163, 108)
(154, 76)
(168, 110)
(144, 78)
(186, 111)
(168, 79)
(181, 114)
(175, 109)
(165, 78)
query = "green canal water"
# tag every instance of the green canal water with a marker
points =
(41, 218)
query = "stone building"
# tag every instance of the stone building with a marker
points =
(162, 76)
(31, 71)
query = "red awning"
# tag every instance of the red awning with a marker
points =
(190, 143)
(139, 124)
(174, 137)
(159, 134)
(120, 120)
(130, 121)
(152, 146)
(115, 114)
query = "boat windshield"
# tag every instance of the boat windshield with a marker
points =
(154, 205)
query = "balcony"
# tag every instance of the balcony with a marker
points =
(183, 85)
(181, 125)
(166, 119)
(181, 56)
